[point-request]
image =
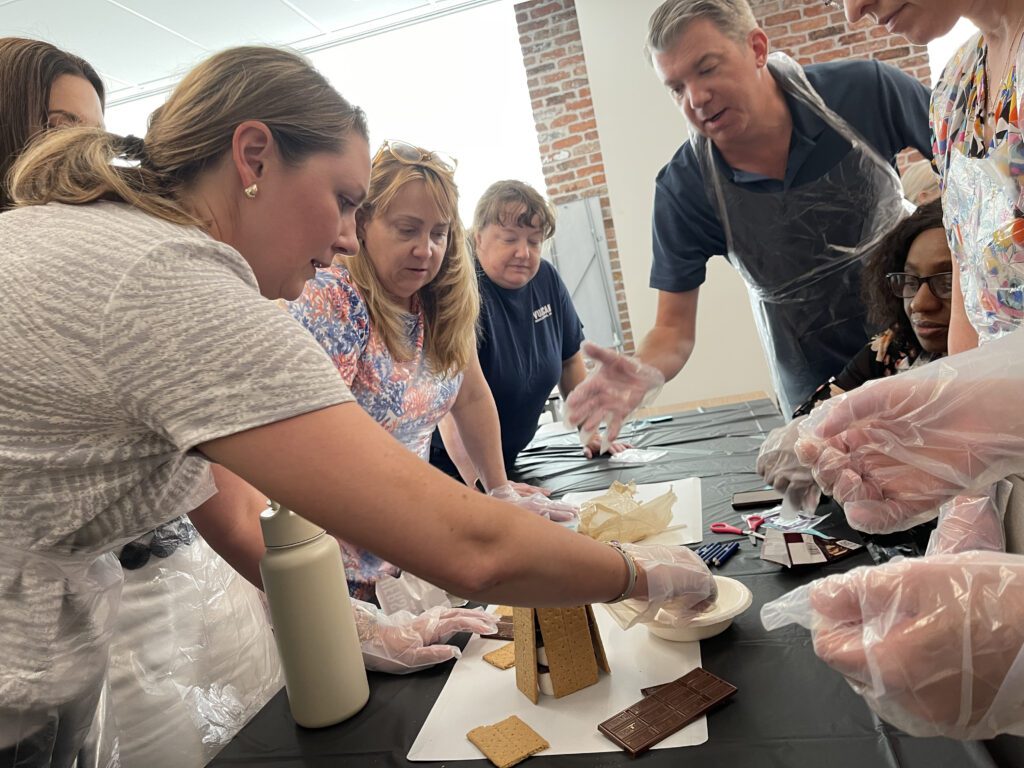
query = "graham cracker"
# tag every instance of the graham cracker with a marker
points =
(595, 634)
(502, 658)
(569, 647)
(526, 653)
(506, 743)
(503, 610)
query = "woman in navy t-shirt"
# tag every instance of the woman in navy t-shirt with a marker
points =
(530, 334)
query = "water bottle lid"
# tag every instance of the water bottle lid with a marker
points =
(283, 528)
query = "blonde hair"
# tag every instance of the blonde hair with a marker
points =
(734, 18)
(190, 133)
(451, 301)
(504, 197)
(920, 182)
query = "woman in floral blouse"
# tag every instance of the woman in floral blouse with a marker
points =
(399, 321)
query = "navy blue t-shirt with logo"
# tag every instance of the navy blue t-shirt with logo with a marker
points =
(525, 336)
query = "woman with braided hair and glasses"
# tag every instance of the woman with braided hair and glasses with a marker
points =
(907, 288)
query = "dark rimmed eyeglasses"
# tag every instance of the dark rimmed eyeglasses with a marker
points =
(906, 286)
(410, 154)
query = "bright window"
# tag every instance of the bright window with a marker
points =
(454, 83)
(941, 50)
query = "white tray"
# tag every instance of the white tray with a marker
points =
(479, 694)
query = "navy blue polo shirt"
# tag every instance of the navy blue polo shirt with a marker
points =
(888, 107)
(525, 336)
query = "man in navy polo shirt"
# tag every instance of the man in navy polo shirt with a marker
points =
(789, 173)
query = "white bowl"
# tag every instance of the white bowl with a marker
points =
(733, 599)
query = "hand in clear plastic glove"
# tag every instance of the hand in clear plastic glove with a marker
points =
(555, 510)
(525, 489)
(616, 387)
(893, 450)
(596, 447)
(405, 642)
(780, 467)
(676, 580)
(969, 523)
(933, 644)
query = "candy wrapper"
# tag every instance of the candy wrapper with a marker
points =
(618, 516)
(411, 593)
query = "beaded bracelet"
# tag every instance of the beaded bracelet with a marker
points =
(631, 565)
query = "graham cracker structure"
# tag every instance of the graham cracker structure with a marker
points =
(571, 642)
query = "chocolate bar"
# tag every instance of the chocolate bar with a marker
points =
(504, 631)
(648, 691)
(669, 707)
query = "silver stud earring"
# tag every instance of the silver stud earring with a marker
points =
(251, 191)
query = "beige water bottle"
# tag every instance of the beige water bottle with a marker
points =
(304, 580)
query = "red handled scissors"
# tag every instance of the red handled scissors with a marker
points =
(754, 521)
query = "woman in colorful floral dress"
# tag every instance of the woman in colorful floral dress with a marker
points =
(936, 644)
(399, 321)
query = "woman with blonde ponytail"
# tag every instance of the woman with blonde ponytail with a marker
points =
(141, 346)
(177, 593)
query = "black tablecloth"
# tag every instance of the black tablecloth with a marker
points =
(791, 710)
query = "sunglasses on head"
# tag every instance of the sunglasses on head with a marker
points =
(410, 154)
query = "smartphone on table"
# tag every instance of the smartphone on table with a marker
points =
(760, 499)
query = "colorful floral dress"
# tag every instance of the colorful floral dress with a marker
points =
(406, 397)
(982, 188)
(983, 206)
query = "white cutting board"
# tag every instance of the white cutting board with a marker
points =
(479, 694)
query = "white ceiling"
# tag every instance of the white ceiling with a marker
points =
(141, 47)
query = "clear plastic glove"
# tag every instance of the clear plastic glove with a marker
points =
(596, 447)
(405, 642)
(933, 644)
(780, 467)
(969, 523)
(525, 489)
(616, 387)
(895, 449)
(676, 580)
(554, 510)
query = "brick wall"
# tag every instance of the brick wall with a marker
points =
(567, 135)
(813, 32)
(566, 129)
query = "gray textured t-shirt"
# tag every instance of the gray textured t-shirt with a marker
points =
(125, 341)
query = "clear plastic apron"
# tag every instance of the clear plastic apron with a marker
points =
(57, 618)
(978, 208)
(800, 250)
(979, 201)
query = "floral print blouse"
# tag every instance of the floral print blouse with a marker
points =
(406, 397)
(984, 222)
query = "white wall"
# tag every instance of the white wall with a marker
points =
(640, 130)
(941, 50)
